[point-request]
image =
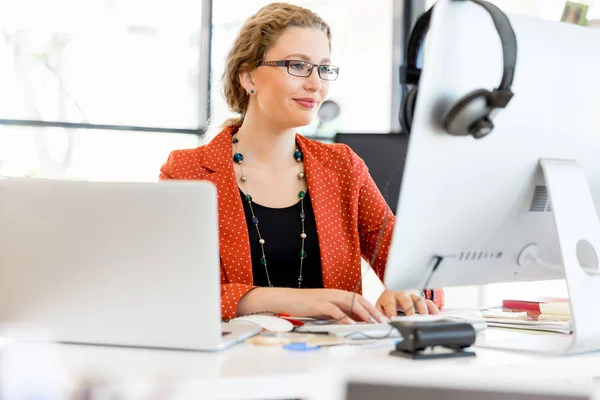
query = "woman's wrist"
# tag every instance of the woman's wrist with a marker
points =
(263, 299)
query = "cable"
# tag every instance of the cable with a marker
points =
(399, 168)
(384, 192)
(437, 262)
(367, 336)
(373, 258)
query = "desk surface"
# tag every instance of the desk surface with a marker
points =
(248, 371)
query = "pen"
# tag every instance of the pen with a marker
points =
(284, 315)
(288, 317)
(301, 347)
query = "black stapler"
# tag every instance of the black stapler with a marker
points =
(434, 339)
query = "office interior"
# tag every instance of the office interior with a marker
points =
(104, 90)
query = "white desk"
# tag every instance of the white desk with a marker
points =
(248, 371)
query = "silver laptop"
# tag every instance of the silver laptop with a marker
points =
(127, 264)
(485, 389)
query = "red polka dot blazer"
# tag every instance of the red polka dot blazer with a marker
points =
(349, 212)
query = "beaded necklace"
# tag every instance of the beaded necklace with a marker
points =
(238, 158)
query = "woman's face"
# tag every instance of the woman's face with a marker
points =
(286, 100)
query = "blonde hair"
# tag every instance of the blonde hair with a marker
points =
(256, 37)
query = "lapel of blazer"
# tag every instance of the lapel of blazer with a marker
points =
(234, 240)
(325, 191)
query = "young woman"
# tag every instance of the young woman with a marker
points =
(295, 215)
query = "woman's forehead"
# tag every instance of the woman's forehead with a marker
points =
(310, 44)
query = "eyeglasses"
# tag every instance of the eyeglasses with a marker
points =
(304, 68)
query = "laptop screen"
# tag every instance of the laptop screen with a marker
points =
(360, 391)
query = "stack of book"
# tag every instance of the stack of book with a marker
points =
(545, 314)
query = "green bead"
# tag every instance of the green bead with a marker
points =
(301, 194)
(248, 198)
(302, 254)
(263, 260)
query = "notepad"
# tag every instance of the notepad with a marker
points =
(550, 326)
(505, 315)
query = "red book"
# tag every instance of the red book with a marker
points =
(531, 305)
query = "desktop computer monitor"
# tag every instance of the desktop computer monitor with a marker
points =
(521, 203)
(377, 149)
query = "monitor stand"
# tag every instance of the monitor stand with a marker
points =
(578, 230)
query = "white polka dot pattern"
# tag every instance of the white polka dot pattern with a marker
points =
(349, 212)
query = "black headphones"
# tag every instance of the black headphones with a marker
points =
(471, 115)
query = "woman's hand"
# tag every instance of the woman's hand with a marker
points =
(317, 303)
(390, 302)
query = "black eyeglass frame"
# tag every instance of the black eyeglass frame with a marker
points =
(286, 63)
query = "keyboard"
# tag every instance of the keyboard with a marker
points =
(362, 330)
(365, 330)
(357, 331)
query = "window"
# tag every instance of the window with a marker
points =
(87, 154)
(121, 65)
(544, 9)
(124, 62)
(360, 34)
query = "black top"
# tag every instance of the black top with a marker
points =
(281, 229)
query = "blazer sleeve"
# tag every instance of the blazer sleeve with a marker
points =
(231, 293)
(375, 219)
(376, 224)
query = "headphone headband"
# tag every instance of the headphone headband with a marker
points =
(410, 73)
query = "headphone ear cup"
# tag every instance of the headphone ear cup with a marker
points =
(470, 116)
(408, 107)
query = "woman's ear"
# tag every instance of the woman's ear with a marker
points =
(247, 82)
